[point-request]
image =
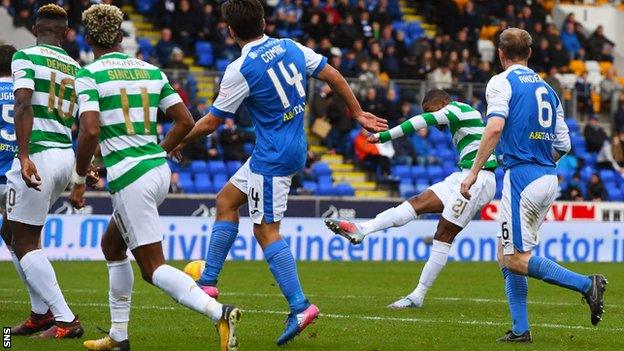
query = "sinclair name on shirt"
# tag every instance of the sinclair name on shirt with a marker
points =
(532, 78)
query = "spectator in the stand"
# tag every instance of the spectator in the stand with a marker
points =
(186, 23)
(559, 57)
(403, 152)
(23, 17)
(484, 72)
(595, 189)
(584, 93)
(338, 138)
(406, 112)
(426, 65)
(423, 148)
(164, 47)
(573, 192)
(553, 81)
(166, 12)
(176, 60)
(618, 118)
(609, 86)
(391, 63)
(369, 154)
(315, 28)
(199, 110)
(233, 141)
(229, 50)
(365, 26)
(570, 40)
(540, 57)
(441, 77)
(285, 13)
(390, 108)
(71, 46)
(208, 23)
(318, 107)
(177, 86)
(372, 103)
(611, 155)
(345, 33)
(597, 42)
(594, 135)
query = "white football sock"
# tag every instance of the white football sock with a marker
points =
(435, 263)
(36, 303)
(40, 275)
(392, 217)
(120, 280)
(185, 291)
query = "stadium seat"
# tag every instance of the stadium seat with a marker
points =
(221, 64)
(205, 56)
(186, 182)
(217, 167)
(607, 176)
(402, 171)
(203, 184)
(199, 167)
(435, 172)
(406, 190)
(321, 169)
(344, 189)
(309, 185)
(232, 167)
(145, 47)
(325, 179)
(419, 172)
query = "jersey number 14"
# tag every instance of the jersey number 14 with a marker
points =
(294, 80)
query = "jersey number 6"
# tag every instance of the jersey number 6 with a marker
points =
(544, 119)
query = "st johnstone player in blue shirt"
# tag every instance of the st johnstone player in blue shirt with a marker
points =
(8, 143)
(526, 114)
(270, 79)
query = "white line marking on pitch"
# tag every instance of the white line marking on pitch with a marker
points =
(365, 318)
(361, 297)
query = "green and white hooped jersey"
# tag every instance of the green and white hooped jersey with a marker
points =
(127, 93)
(50, 73)
(466, 128)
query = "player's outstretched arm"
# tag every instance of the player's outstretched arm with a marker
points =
(183, 124)
(410, 126)
(340, 86)
(489, 140)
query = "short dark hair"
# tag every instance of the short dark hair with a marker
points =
(52, 12)
(435, 95)
(515, 43)
(6, 56)
(245, 17)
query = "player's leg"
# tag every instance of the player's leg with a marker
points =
(41, 317)
(137, 220)
(426, 202)
(532, 204)
(26, 211)
(267, 200)
(457, 213)
(224, 232)
(225, 229)
(120, 281)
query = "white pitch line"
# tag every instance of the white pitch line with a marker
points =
(364, 318)
(361, 297)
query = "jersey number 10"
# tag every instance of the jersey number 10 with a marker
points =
(294, 80)
(544, 109)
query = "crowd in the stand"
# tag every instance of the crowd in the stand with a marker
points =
(367, 42)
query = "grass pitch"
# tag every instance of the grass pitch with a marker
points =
(465, 310)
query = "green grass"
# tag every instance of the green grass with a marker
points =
(465, 310)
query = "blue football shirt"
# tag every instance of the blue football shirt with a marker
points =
(8, 143)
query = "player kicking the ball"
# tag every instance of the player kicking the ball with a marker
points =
(527, 113)
(270, 78)
(45, 108)
(119, 97)
(466, 126)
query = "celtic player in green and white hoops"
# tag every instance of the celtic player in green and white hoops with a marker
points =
(466, 126)
(119, 97)
(44, 111)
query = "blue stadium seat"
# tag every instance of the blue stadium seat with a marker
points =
(321, 169)
(607, 176)
(435, 172)
(325, 179)
(217, 167)
(218, 181)
(145, 47)
(573, 125)
(232, 167)
(199, 167)
(344, 189)
(145, 6)
(221, 64)
(419, 172)
(310, 186)
(325, 189)
(406, 190)
(402, 171)
(186, 182)
(420, 187)
(203, 184)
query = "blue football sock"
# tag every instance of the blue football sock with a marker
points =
(223, 235)
(282, 265)
(551, 272)
(516, 289)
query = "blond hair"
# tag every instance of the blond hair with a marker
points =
(52, 11)
(102, 23)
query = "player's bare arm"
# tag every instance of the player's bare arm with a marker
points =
(491, 136)
(205, 126)
(23, 127)
(340, 86)
(183, 124)
(88, 137)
